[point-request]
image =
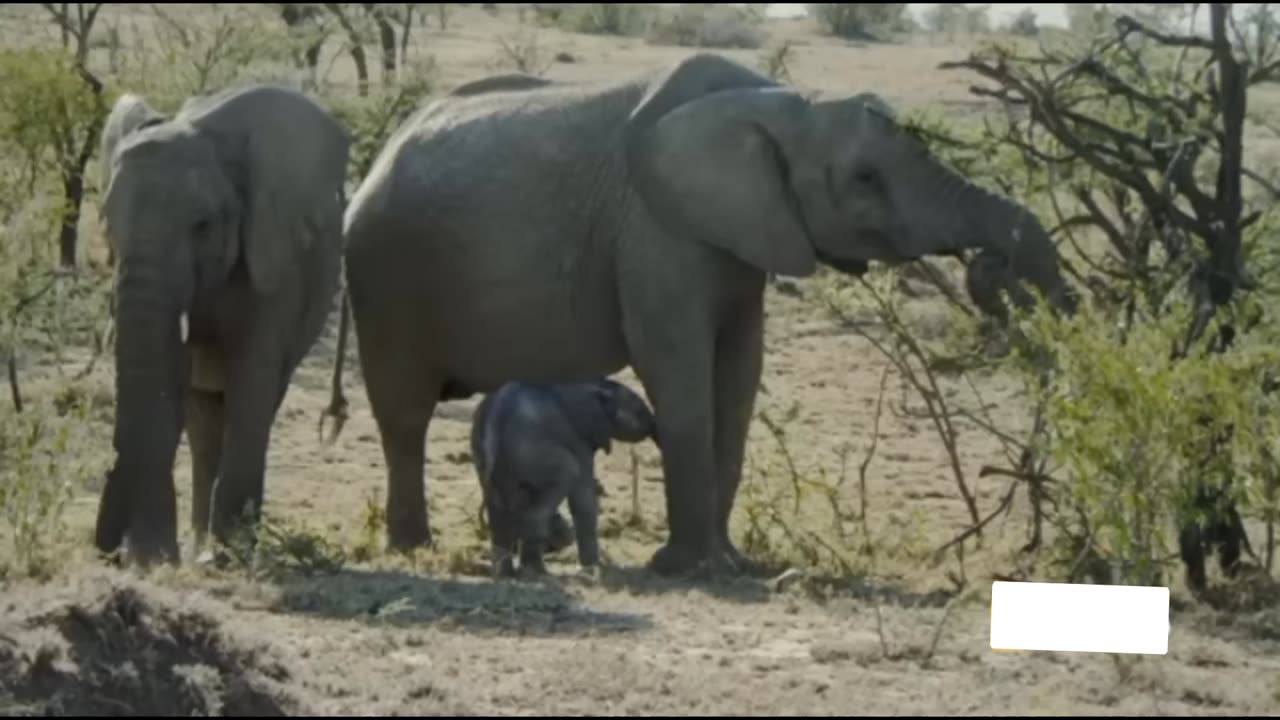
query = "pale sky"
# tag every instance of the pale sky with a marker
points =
(1046, 13)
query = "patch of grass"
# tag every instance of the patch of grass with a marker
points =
(274, 548)
(40, 473)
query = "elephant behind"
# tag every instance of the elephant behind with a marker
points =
(225, 221)
(564, 232)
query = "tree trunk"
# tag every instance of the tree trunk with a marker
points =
(68, 237)
(73, 175)
(357, 48)
(405, 27)
(387, 39)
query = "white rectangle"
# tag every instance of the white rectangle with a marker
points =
(1080, 618)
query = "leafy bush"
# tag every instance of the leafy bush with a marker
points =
(861, 21)
(709, 26)
(1025, 24)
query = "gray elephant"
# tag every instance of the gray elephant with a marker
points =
(226, 223)
(563, 232)
(533, 446)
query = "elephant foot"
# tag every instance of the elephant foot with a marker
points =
(560, 536)
(113, 516)
(742, 564)
(679, 560)
(148, 549)
(407, 536)
(724, 560)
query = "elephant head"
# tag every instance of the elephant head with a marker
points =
(629, 417)
(605, 410)
(782, 182)
(226, 193)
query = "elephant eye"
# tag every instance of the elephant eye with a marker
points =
(201, 229)
(866, 176)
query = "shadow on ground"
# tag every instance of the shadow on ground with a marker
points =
(400, 598)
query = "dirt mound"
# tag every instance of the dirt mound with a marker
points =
(123, 649)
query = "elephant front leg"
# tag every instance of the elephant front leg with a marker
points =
(584, 506)
(255, 390)
(677, 377)
(739, 362)
(204, 434)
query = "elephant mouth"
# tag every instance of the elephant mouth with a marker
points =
(848, 266)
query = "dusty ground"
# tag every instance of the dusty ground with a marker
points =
(435, 637)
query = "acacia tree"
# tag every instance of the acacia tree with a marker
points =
(1136, 139)
(75, 127)
(1153, 410)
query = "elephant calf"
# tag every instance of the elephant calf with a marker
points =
(534, 445)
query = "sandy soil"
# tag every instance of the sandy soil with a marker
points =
(434, 636)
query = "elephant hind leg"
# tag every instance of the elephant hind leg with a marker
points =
(404, 448)
(402, 396)
(204, 434)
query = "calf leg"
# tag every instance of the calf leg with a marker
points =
(584, 505)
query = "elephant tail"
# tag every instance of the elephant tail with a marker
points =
(338, 401)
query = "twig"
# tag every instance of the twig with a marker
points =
(14, 390)
(1004, 505)
(884, 644)
(937, 630)
(866, 462)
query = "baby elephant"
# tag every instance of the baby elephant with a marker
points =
(533, 446)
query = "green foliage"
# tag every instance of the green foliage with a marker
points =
(276, 547)
(47, 112)
(1139, 431)
(372, 120)
(43, 464)
(861, 21)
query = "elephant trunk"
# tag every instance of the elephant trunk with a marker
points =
(970, 216)
(152, 373)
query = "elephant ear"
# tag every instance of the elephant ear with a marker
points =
(128, 115)
(586, 407)
(714, 151)
(288, 157)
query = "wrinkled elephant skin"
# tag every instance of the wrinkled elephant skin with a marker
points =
(558, 232)
(225, 223)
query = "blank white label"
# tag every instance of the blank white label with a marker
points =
(1080, 618)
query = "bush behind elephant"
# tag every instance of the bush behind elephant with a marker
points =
(226, 225)
(563, 232)
(533, 446)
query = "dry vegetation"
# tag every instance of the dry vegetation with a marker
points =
(907, 451)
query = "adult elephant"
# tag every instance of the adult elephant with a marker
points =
(562, 232)
(226, 224)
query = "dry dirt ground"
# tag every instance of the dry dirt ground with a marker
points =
(433, 636)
